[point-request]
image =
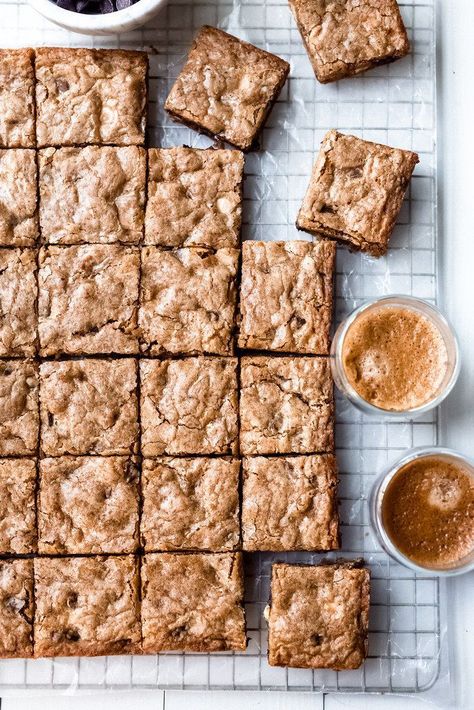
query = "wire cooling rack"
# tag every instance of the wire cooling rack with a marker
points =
(394, 104)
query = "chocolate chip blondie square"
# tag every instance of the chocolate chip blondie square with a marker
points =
(227, 87)
(18, 198)
(16, 608)
(17, 506)
(17, 110)
(18, 295)
(19, 415)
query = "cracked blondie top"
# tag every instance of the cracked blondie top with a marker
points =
(90, 96)
(19, 418)
(193, 602)
(286, 296)
(88, 504)
(88, 299)
(290, 503)
(190, 504)
(194, 197)
(18, 292)
(18, 198)
(17, 111)
(86, 606)
(92, 195)
(347, 37)
(356, 192)
(88, 407)
(189, 406)
(318, 616)
(286, 405)
(227, 87)
(188, 301)
(16, 608)
(17, 506)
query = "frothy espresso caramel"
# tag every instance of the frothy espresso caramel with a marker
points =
(395, 357)
(428, 511)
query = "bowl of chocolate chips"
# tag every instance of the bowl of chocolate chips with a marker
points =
(98, 17)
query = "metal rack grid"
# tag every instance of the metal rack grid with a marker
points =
(394, 104)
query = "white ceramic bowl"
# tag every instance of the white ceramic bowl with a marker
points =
(108, 23)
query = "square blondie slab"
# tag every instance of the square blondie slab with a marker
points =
(90, 96)
(286, 296)
(356, 192)
(89, 407)
(286, 405)
(86, 606)
(19, 416)
(189, 406)
(92, 195)
(227, 87)
(190, 504)
(17, 110)
(347, 37)
(17, 506)
(319, 616)
(88, 504)
(18, 198)
(290, 503)
(192, 602)
(194, 197)
(188, 301)
(88, 299)
(16, 608)
(18, 294)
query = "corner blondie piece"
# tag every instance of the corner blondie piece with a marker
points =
(18, 198)
(88, 299)
(86, 606)
(286, 296)
(189, 406)
(18, 292)
(88, 504)
(16, 608)
(286, 406)
(188, 301)
(356, 192)
(227, 87)
(92, 195)
(90, 96)
(319, 616)
(19, 416)
(89, 407)
(289, 503)
(17, 111)
(190, 504)
(194, 197)
(347, 37)
(192, 602)
(17, 506)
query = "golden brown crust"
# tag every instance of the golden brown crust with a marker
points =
(88, 407)
(188, 301)
(16, 608)
(190, 504)
(18, 292)
(19, 417)
(17, 112)
(88, 504)
(86, 606)
(194, 197)
(286, 296)
(347, 37)
(356, 191)
(286, 405)
(193, 602)
(289, 503)
(318, 616)
(227, 87)
(88, 299)
(18, 198)
(17, 506)
(189, 406)
(90, 96)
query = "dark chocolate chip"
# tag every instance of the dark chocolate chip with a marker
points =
(122, 4)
